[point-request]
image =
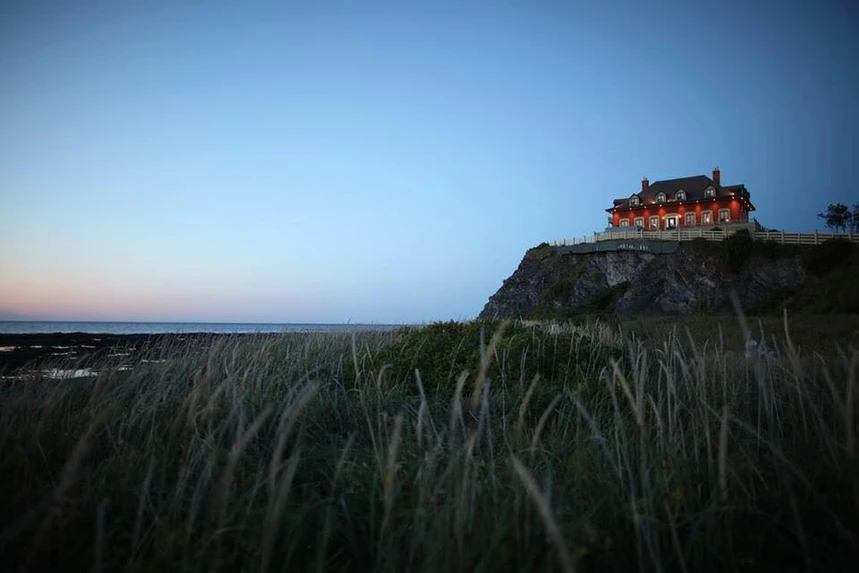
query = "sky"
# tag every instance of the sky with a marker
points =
(385, 162)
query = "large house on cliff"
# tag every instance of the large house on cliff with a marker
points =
(684, 202)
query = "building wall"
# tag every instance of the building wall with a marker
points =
(737, 213)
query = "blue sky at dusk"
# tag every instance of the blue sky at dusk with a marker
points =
(385, 162)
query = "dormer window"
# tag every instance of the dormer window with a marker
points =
(681, 195)
(709, 192)
(634, 201)
(660, 197)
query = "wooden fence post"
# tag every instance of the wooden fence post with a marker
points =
(815, 236)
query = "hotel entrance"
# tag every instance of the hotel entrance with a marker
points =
(671, 222)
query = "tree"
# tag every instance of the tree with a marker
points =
(854, 221)
(837, 217)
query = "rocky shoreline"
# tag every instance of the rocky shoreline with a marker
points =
(68, 350)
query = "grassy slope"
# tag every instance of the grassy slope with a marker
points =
(545, 448)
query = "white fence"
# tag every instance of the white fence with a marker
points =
(576, 240)
(689, 234)
(814, 238)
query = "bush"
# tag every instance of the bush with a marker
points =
(558, 292)
(773, 249)
(541, 251)
(441, 351)
(828, 255)
(736, 250)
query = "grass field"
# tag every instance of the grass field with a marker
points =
(452, 447)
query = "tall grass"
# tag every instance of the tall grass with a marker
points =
(453, 447)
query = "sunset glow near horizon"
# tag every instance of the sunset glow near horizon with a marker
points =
(385, 162)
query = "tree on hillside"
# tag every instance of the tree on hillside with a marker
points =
(838, 217)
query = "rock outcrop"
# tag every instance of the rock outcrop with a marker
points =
(698, 277)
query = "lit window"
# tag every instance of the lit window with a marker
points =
(690, 219)
(639, 221)
(709, 192)
(654, 222)
(706, 217)
(681, 195)
(660, 197)
(724, 215)
(624, 223)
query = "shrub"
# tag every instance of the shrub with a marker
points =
(830, 254)
(558, 292)
(736, 250)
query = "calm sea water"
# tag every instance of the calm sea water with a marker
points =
(32, 327)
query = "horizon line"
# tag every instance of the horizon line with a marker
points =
(198, 322)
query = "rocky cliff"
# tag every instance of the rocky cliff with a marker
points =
(697, 277)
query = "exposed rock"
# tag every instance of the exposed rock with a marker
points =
(692, 279)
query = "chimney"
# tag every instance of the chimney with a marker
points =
(644, 184)
(716, 175)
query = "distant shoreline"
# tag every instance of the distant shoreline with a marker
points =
(8, 327)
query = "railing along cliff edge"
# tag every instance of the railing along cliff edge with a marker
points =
(687, 234)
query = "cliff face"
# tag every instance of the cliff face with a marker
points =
(695, 278)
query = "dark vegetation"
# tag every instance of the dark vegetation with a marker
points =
(839, 217)
(540, 251)
(635, 446)
(739, 250)
(832, 268)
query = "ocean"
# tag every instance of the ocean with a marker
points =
(34, 327)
